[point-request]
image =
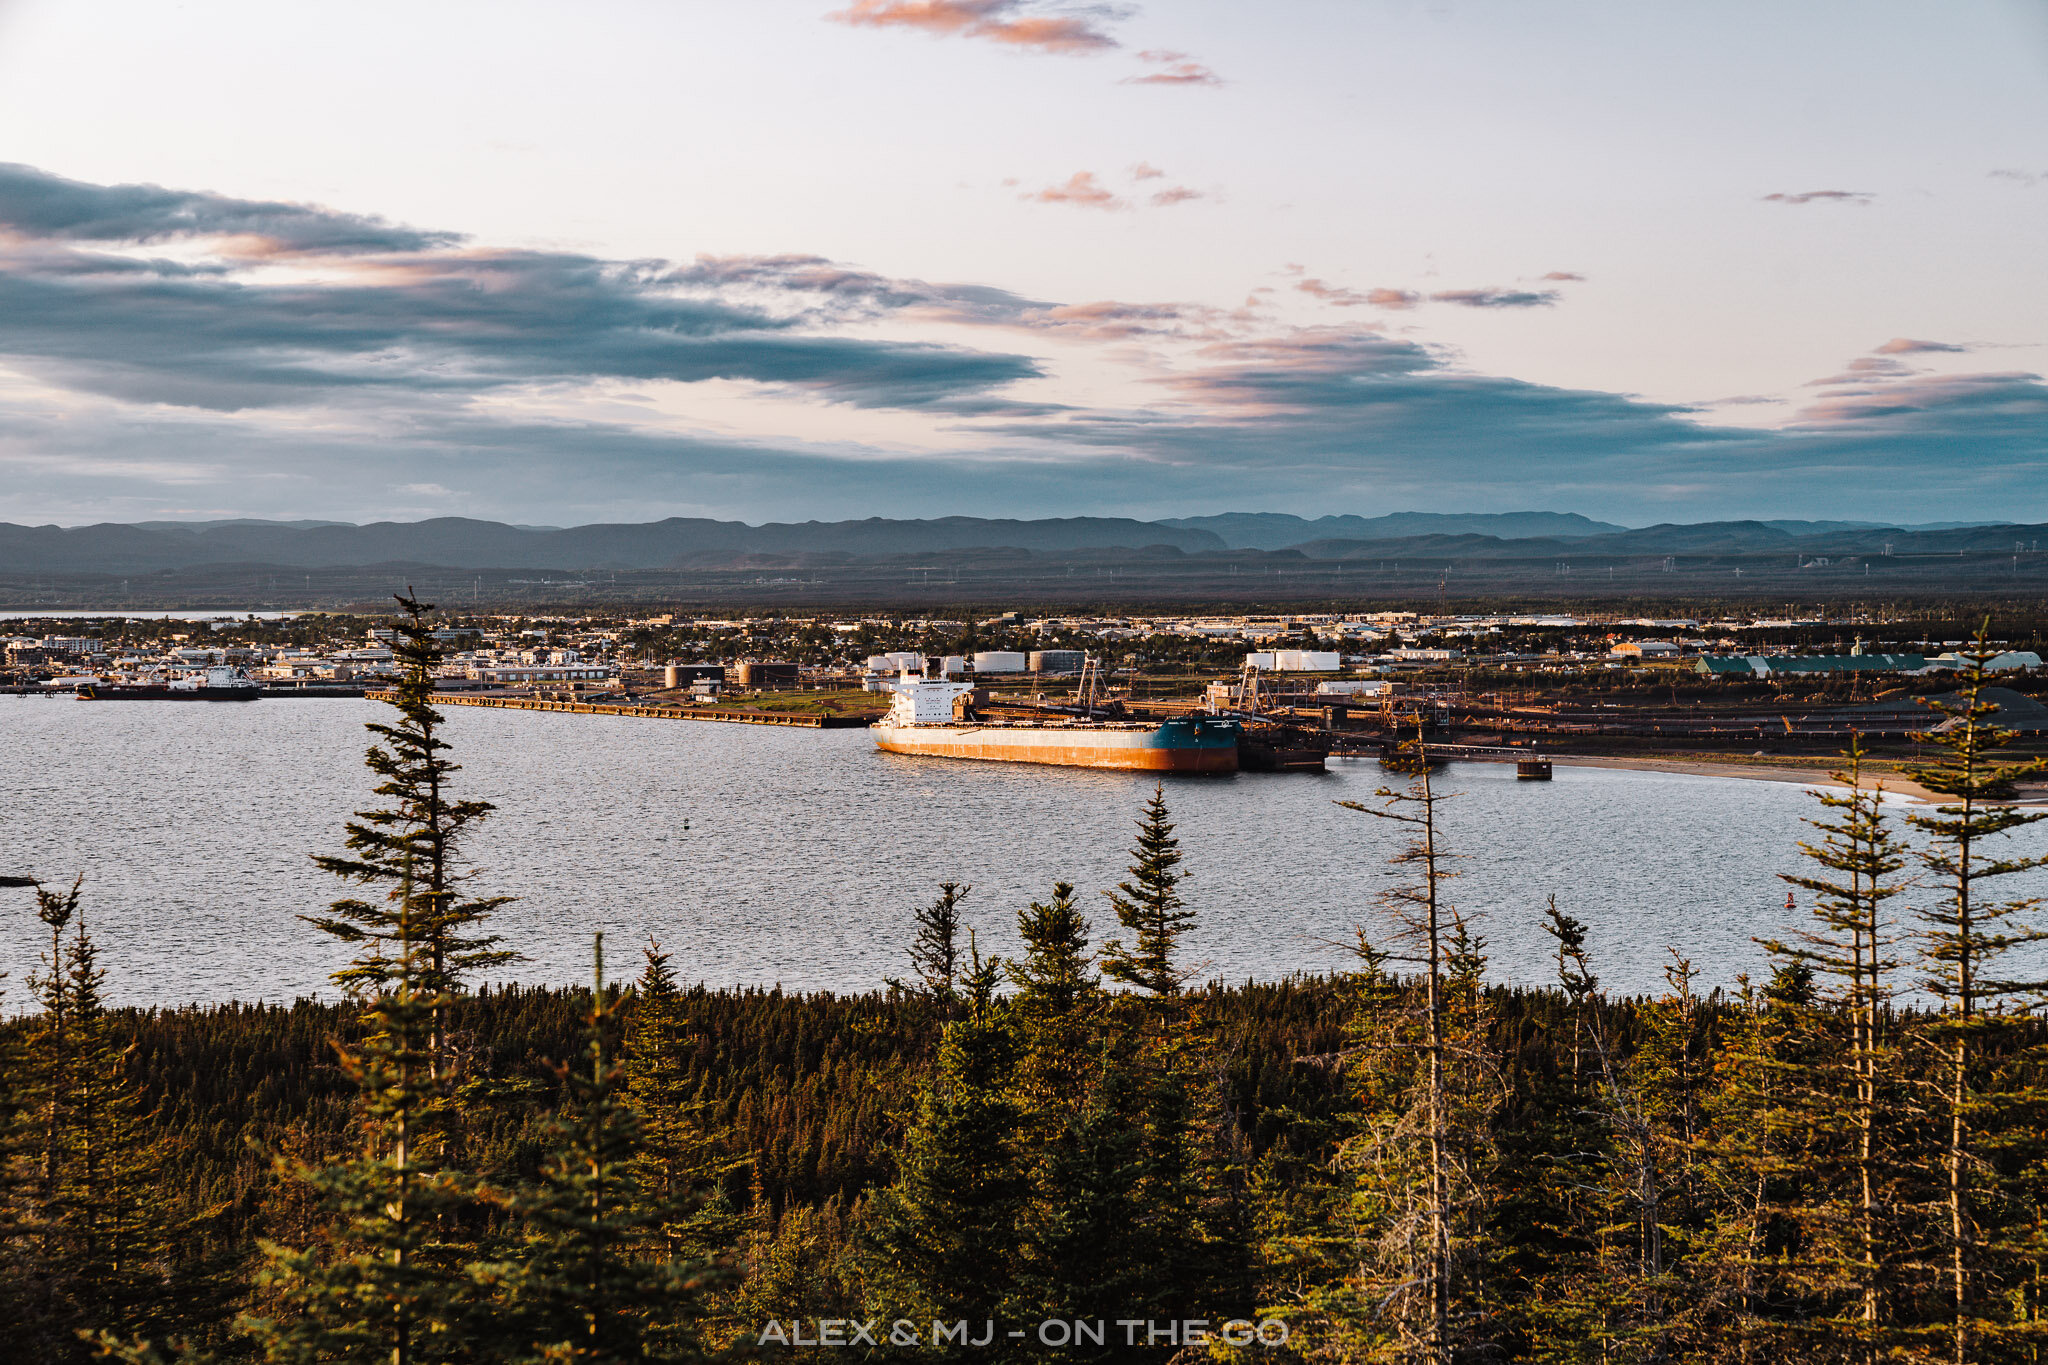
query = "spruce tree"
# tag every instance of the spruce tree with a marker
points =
(1058, 995)
(123, 1227)
(1843, 1072)
(1427, 1098)
(1589, 1308)
(1964, 938)
(1149, 907)
(680, 1166)
(13, 1285)
(411, 849)
(1755, 1288)
(1084, 1252)
(572, 1287)
(392, 1277)
(51, 1090)
(941, 1241)
(799, 1271)
(935, 949)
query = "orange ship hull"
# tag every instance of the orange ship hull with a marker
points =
(1173, 747)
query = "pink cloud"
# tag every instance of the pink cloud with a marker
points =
(1175, 194)
(1911, 346)
(1145, 170)
(1330, 293)
(1859, 198)
(1082, 190)
(1176, 69)
(1565, 275)
(2009, 395)
(1110, 320)
(1009, 22)
(1351, 298)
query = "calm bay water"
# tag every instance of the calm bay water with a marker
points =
(806, 850)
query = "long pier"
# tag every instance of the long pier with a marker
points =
(595, 708)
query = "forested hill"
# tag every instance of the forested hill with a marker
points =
(683, 543)
(458, 542)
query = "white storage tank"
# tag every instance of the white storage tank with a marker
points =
(1057, 660)
(1306, 661)
(1261, 659)
(999, 661)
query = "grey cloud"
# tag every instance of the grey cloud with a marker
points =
(1497, 298)
(825, 284)
(2013, 401)
(37, 204)
(1856, 197)
(1323, 418)
(418, 314)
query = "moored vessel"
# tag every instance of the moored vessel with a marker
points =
(218, 683)
(936, 718)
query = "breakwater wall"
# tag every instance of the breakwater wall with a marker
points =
(597, 708)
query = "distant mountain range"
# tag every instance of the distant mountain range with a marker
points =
(1278, 531)
(683, 543)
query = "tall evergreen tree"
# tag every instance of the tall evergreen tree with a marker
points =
(392, 1280)
(935, 948)
(680, 1168)
(13, 1278)
(52, 1076)
(799, 1271)
(1058, 995)
(1754, 1284)
(1844, 1072)
(1428, 1091)
(1964, 938)
(1084, 1249)
(942, 1239)
(1149, 907)
(572, 1288)
(412, 850)
(123, 1227)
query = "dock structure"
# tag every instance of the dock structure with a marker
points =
(595, 708)
(1529, 765)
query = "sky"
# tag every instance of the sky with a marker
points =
(618, 260)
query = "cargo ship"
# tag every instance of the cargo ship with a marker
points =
(936, 717)
(215, 684)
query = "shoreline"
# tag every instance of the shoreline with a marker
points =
(1891, 783)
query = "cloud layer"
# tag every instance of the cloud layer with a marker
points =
(371, 308)
(186, 353)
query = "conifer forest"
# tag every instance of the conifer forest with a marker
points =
(1087, 1153)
